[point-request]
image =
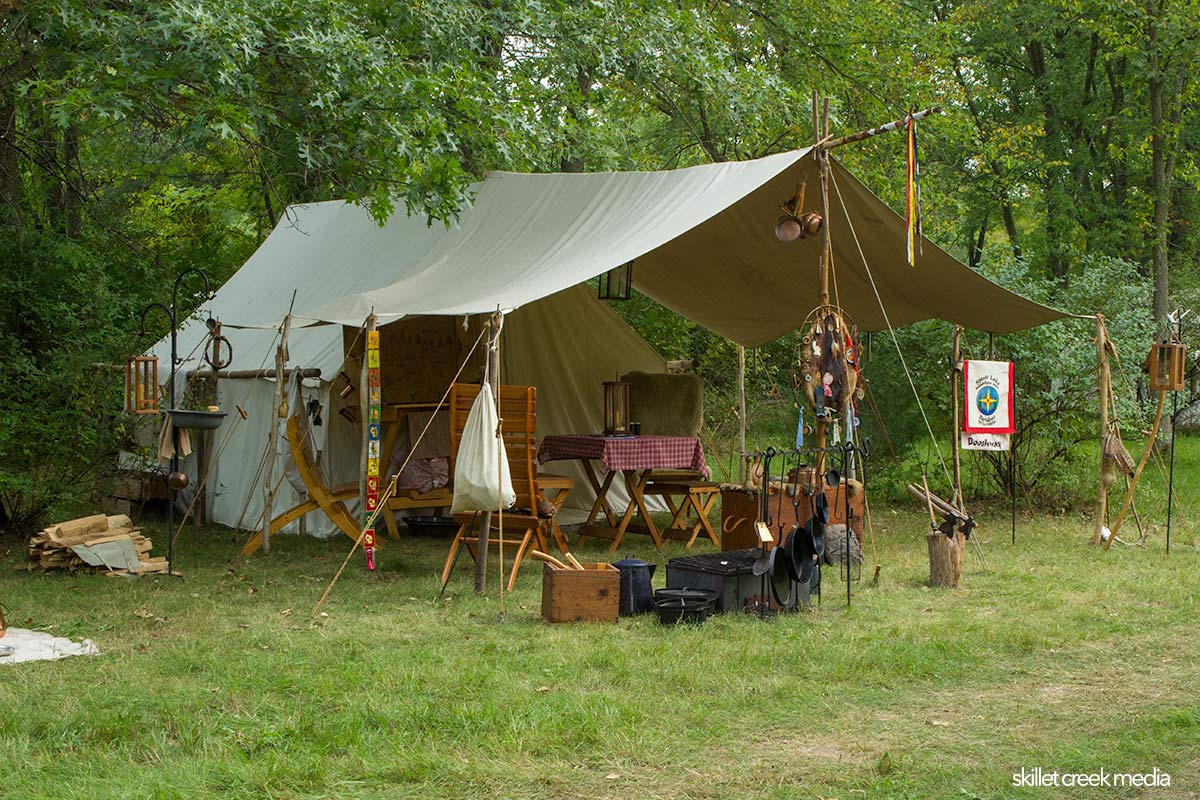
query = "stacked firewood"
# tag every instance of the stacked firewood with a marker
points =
(51, 548)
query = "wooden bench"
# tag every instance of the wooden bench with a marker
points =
(686, 491)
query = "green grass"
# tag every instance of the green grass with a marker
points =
(218, 685)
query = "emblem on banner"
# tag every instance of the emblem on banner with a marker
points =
(988, 401)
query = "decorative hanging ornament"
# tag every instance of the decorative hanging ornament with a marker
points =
(373, 449)
(827, 364)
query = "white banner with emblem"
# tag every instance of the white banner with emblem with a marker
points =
(988, 398)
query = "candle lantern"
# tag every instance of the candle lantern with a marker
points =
(141, 385)
(1165, 366)
(617, 283)
(616, 407)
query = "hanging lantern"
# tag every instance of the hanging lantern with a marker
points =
(141, 385)
(616, 407)
(617, 283)
(1165, 365)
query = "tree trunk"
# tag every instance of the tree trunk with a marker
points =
(1010, 228)
(10, 178)
(1160, 187)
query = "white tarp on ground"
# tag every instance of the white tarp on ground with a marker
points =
(38, 646)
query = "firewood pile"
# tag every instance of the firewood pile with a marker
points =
(52, 548)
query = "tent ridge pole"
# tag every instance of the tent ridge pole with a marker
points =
(827, 144)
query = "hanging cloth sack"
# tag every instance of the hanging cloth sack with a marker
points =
(478, 484)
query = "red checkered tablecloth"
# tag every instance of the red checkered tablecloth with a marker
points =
(626, 452)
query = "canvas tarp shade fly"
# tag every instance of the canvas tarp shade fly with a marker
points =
(701, 240)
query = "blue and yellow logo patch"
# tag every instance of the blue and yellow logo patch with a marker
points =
(987, 400)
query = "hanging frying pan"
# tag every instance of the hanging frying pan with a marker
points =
(808, 544)
(821, 509)
(791, 549)
(782, 585)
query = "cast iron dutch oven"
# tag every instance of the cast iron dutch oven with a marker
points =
(683, 605)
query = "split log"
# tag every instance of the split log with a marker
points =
(945, 559)
(97, 523)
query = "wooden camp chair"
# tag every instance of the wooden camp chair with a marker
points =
(523, 525)
(319, 495)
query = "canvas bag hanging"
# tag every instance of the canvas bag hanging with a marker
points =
(481, 476)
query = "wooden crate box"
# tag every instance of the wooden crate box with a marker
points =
(592, 594)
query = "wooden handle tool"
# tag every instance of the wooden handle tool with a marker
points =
(574, 562)
(929, 500)
(549, 559)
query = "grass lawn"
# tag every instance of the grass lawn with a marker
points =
(218, 685)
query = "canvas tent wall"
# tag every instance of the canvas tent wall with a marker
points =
(565, 344)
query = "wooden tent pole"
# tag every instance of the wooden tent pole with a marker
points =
(1105, 382)
(485, 521)
(741, 381)
(281, 355)
(891, 126)
(820, 130)
(956, 358)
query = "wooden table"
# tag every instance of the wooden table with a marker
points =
(634, 458)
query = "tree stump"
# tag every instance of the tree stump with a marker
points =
(945, 558)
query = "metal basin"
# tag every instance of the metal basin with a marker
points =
(197, 420)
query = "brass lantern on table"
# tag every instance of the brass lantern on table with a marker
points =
(616, 407)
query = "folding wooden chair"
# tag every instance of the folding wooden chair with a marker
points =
(526, 523)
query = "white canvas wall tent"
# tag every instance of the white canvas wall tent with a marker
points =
(701, 242)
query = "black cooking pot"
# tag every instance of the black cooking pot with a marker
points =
(692, 606)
